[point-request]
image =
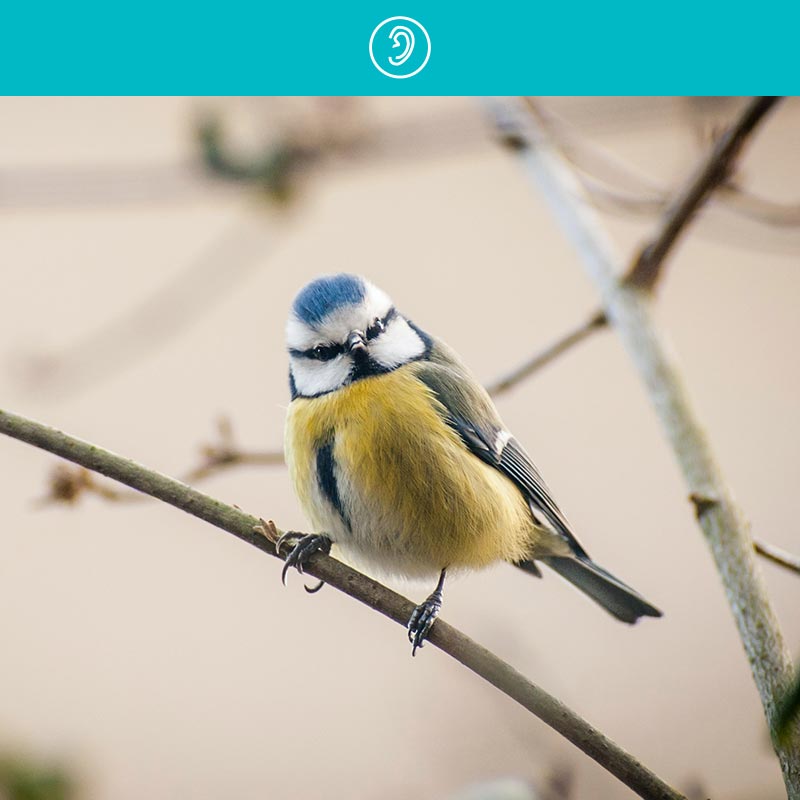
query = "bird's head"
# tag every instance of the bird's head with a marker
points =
(341, 329)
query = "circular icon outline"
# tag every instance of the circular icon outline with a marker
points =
(420, 67)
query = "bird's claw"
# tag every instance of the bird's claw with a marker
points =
(298, 556)
(285, 537)
(419, 625)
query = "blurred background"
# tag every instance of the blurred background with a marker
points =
(150, 249)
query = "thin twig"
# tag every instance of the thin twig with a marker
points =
(615, 184)
(647, 268)
(746, 204)
(444, 636)
(68, 483)
(235, 458)
(227, 453)
(723, 523)
(777, 555)
(711, 172)
(547, 354)
(761, 209)
(591, 160)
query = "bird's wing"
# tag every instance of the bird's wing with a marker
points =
(470, 411)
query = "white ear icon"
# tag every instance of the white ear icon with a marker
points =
(402, 34)
(393, 43)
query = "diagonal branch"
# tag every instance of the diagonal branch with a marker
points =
(777, 555)
(647, 268)
(723, 523)
(547, 354)
(711, 173)
(476, 658)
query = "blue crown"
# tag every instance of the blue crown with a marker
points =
(324, 295)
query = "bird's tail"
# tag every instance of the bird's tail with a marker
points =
(612, 594)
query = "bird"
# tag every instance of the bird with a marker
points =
(401, 461)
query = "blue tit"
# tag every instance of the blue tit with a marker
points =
(400, 459)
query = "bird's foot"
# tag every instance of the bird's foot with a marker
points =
(419, 625)
(422, 619)
(305, 547)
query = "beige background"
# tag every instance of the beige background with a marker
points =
(161, 658)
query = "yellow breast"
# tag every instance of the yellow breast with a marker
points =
(417, 499)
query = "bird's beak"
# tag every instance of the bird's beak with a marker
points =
(356, 344)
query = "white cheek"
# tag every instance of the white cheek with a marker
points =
(397, 345)
(317, 377)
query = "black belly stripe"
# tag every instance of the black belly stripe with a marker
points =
(327, 480)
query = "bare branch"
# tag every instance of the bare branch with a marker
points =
(647, 268)
(761, 209)
(777, 555)
(547, 354)
(712, 171)
(227, 453)
(614, 184)
(723, 523)
(451, 641)
(68, 483)
(593, 162)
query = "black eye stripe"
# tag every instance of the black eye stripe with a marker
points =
(327, 352)
(379, 325)
(322, 352)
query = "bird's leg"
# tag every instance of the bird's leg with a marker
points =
(305, 547)
(424, 614)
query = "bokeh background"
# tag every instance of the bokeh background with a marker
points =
(149, 250)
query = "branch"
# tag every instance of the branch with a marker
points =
(712, 171)
(647, 268)
(777, 555)
(451, 641)
(723, 524)
(762, 209)
(547, 354)
(615, 185)
(67, 484)
(227, 453)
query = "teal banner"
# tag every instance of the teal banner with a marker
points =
(397, 48)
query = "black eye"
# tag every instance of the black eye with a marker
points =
(324, 352)
(375, 329)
